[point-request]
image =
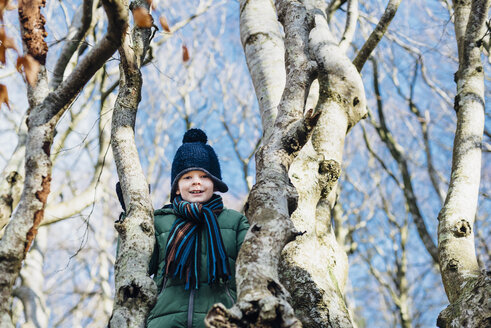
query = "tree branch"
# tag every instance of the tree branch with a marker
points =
(350, 28)
(76, 35)
(376, 35)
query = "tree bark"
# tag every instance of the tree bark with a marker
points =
(467, 288)
(42, 119)
(262, 299)
(12, 180)
(264, 51)
(136, 292)
(31, 292)
(317, 168)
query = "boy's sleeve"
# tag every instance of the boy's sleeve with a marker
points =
(241, 231)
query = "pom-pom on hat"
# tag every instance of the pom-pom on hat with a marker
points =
(195, 154)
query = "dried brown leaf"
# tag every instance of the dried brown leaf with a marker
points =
(2, 54)
(185, 53)
(142, 18)
(9, 43)
(31, 68)
(3, 5)
(6, 41)
(152, 4)
(4, 96)
(164, 24)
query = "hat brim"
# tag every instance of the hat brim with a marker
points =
(218, 184)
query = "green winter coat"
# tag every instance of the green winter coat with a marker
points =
(177, 307)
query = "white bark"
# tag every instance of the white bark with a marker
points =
(12, 179)
(136, 292)
(31, 292)
(262, 300)
(264, 51)
(42, 119)
(456, 220)
(315, 173)
(351, 20)
(465, 285)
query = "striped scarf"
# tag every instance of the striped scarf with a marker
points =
(182, 255)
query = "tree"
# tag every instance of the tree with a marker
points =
(135, 291)
(46, 109)
(263, 300)
(465, 284)
(372, 196)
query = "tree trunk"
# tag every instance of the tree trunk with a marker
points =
(341, 104)
(31, 292)
(466, 287)
(136, 292)
(264, 51)
(44, 113)
(262, 299)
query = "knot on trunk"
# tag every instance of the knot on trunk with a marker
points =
(141, 290)
(329, 171)
(268, 308)
(220, 317)
(462, 229)
(147, 228)
(453, 265)
(13, 177)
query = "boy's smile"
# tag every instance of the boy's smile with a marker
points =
(195, 186)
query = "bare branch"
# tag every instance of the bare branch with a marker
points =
(136, 292)
(349, 30)
(76, 34)
(397, 153)
(376, 35)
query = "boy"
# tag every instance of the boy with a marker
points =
(197, 240)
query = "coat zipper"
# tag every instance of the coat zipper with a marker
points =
(191, 308)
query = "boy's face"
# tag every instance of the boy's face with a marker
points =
(195, 187)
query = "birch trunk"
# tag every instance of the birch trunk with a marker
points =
(262, 299)
(31, 292)
(317, 264)
(12, 180)
(43, 115)
(264, 51)
(317, 285)
(136, 292)
(466, 287)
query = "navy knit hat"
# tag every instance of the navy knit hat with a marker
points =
(195, 154)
